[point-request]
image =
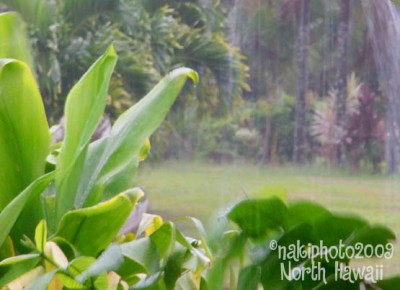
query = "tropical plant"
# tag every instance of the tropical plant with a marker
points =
(361, 129)
(276, 245)
(62, 205)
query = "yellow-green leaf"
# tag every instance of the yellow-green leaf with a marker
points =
(92, 229)
(111, 162)
(24, 132)
(41, 235)
(83, 110)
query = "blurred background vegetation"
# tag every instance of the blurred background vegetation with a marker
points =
(281, 81)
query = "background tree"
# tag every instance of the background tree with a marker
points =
(152, 37)
(342, 72)
(300, 122)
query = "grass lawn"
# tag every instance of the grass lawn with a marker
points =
(206, 191)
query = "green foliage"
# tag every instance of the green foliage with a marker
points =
(74, 222)
(82, 117)
(77, 226)
(151, 37)
(274, 240)
(25, 139)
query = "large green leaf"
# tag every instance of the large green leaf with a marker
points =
(111, 162)
(83, 110)
(24, 133)
(258, 217)
(92, 229)
(14, 42)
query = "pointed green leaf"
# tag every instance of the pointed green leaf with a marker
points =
(24, 133)
(41, 236)
(149, 224)
(111, 163)
(83, 110)
(92, 229)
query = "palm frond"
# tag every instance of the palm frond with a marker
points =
(224, 61)
(76, 11)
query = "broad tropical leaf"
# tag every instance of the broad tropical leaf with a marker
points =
(111, 162)
(83, 110)
(24, 133)
(92, 229)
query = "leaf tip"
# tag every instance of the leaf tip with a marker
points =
(185, 72)
(134, 194)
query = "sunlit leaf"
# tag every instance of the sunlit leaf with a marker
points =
(149, 224)
(111, 162)
(41, 236)
(92, 229)
(83, 110)
(24, 138)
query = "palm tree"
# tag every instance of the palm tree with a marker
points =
(151, 37)
(342, 72)
(384, 32)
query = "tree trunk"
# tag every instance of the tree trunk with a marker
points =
(384, 33)
(342, 73)
(267, 141)
(302, 84)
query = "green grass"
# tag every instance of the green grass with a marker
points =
(206, 191)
